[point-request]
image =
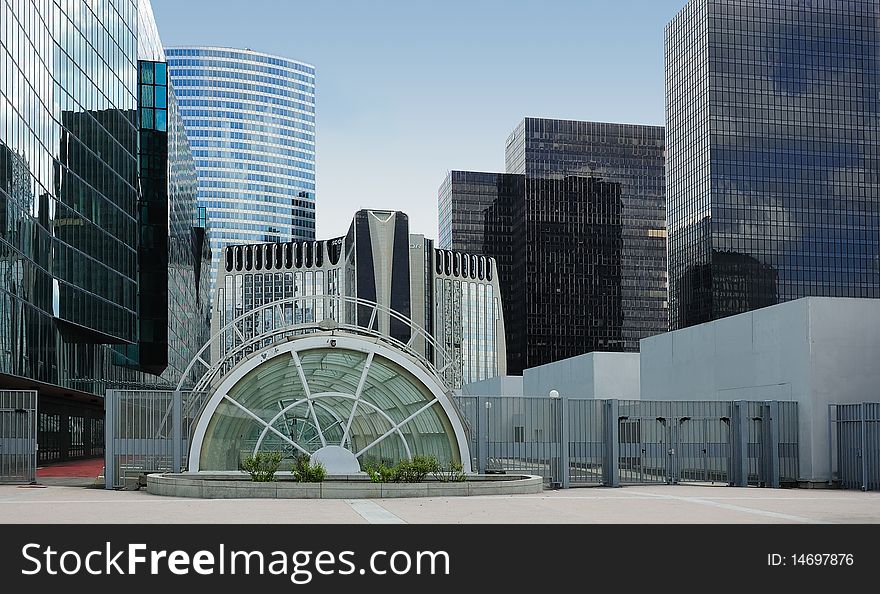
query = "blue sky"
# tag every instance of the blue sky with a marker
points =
(407, 90)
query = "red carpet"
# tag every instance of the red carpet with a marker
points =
(80, 468)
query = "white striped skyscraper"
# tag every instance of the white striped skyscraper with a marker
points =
(250, 119)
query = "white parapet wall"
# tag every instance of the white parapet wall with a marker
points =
(592, 375)
(815, 351)
(500, 385)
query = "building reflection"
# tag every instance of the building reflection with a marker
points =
(560, 263)
(734, 283)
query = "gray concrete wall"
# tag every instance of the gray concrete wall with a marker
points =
(814, 351)
(592, 375)
(617, 375)
(219, 486)
(844, 363)
(500, 385)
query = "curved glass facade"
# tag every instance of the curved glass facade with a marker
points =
(250, 120)
(301, 401)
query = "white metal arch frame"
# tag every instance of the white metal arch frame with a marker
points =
(288, 408)
(242, 343)
(314, 399)
(320, 341)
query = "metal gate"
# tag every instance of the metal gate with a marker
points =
(574, 442)
(702, 449)
(147, 431)
(673, 442)
(769, 456)
(854, 432)
(519, 435)
(644, 440)
(18, 436)
(587, 449)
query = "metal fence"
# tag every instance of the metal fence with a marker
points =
(18, 436)
(69, 431)
(147, 431)
(569, 442)
(854, 442)
(574, 442)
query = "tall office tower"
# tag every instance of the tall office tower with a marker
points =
(577, 228)
(250, 119)
(773, 154)
(99, 259)
(453, 296)
(483, 213)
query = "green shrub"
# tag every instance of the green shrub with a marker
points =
(306, 472)
(262, 466)
(415, 470)
(451, 473)
(379, 473)
(374, 461)
(405, 471)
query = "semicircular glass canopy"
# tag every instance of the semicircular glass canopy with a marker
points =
(299, 402)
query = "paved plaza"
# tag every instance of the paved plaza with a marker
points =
(641, 505)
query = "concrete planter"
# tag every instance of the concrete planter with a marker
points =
(235, 485)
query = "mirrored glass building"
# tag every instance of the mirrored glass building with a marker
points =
(101, 282)
(577, 226)
(250, 119)
(773, 154)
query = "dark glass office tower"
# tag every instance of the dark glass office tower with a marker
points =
(773, 160)
(100, 264)
(630, 156)
(483, 213)
(463, 220)
(577, 226)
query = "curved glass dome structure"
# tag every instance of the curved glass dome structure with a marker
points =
(345, 400)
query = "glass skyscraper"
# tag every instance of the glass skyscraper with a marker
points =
(250, 119)
(100, 264)
(577, 226)
(484, 213)
(773, 168)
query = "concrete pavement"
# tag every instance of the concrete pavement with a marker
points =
(641, 505)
